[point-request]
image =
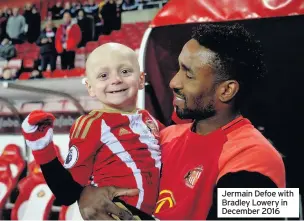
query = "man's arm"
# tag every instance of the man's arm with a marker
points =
(242, 179)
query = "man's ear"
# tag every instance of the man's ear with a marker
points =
(227, 90)
(89, 88)
(142, 80)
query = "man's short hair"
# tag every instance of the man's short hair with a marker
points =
(238, 56)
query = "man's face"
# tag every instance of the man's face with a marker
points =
(80, 14)
(15, 11)
(67, 5)
(194, 84)
(67, 18)
(28, 6)
(49, 24)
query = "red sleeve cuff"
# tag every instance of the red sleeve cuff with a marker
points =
(46, 155)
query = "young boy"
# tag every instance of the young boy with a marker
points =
(115, 146)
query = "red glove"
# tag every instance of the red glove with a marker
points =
(37, 129)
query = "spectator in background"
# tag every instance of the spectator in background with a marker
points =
(3, 22)
(46, 42)
(7, 12)
(129, 5)
(55, 10)
(108, 13)
(91, 8)
(15, 27)
(34, 25)
(86, 30)
(67, 38)
(8, 74)
(117, 21)
(27, 13)
(7, 50)
(67, 8)
(76, 6)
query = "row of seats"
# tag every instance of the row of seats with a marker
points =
(76, 72)
(35, 199)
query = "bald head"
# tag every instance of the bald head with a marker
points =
(108, 54)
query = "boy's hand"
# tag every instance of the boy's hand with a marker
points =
(37, 129)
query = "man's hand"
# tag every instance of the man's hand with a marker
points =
(96, 203)
(37, 129)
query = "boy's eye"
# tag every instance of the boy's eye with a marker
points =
(103, 76)
(125, 71)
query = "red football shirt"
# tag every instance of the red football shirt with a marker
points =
(117, 149)
(192, 165)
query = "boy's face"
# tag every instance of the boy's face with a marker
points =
(114, 78)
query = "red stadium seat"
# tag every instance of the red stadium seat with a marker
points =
(25, 76)
(77, 72)
(105, 37)
(35, 199)
(6, 182)
(21, 48)
(47, 74)
(80, 51)
(70, 212)
(59, 73)
(28, 63)
(12, 154)
(33, 167)
(34, 48)
(33, 54)
(117, 34)
(102, 39)
(90, 46)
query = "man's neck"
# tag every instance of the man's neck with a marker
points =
(211, 124)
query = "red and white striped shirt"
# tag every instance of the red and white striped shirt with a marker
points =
(118, 149)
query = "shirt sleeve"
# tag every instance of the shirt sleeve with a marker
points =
(83, 146)
(66, 190)
(241, 179)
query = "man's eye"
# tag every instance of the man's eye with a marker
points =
(189, 76)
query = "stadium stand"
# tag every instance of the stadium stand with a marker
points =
(28, 55)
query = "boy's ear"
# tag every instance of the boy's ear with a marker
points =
(89, 88)
(142, 80)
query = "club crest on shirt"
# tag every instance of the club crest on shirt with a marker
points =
(152, 127)
(192, 176)
(40, 194)
(72, 157)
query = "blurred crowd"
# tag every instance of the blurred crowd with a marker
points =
(80, 22)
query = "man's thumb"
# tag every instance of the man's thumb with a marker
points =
(126, 192)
